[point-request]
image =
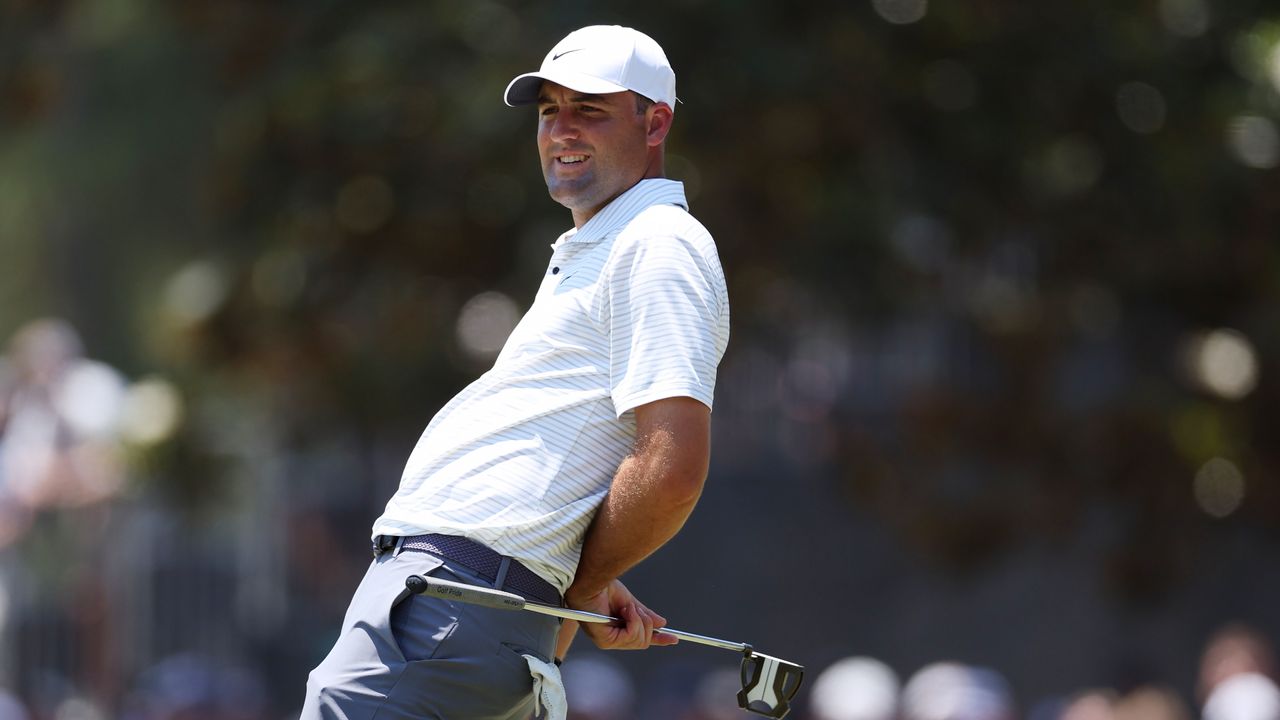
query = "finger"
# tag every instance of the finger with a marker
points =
(653, 620)
(661, 638)
(636, 636)
(658, 620)
(640, 626)
(612, 638)
(646, 618)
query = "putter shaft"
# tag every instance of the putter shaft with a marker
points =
(503, 600)
(584, 616)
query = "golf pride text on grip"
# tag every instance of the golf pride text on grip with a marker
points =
(449, 590)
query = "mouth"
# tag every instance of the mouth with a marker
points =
(572, 159)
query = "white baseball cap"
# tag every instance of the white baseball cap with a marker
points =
(601, 59)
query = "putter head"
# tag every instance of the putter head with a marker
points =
(768, 684)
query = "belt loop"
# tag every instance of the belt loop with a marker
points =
(503, 566)
(399, 546)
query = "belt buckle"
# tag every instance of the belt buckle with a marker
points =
(381, 546)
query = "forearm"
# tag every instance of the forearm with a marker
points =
(653, 492)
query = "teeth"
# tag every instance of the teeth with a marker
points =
(567, 159)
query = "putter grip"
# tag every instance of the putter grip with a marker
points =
(472, 594)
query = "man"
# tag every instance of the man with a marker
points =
(582, 450)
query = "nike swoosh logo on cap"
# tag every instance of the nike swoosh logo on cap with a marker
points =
(566, 52)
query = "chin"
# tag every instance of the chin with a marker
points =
(572, 198)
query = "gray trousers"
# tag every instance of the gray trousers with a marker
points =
(401, 655)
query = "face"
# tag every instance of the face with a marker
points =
(593, 147)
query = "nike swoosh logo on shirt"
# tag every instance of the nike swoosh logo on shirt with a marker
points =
(566, 52)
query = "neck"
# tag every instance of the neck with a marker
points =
(653, 170)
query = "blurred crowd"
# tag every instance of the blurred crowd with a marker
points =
(1236, 681)
(67, 622)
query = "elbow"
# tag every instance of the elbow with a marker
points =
(684, 487)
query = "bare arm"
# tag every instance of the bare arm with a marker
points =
(653, 493)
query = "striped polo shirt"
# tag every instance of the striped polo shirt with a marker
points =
(633, 308)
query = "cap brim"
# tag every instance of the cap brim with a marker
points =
(525, 88)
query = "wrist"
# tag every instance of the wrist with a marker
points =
(580, 592)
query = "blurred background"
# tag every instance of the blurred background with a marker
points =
(996, 435)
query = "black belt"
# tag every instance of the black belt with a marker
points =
(478, 558)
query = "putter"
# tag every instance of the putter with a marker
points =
(768, 683)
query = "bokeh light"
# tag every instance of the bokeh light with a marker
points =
(1254, 141)
(952, 690)
(485, 322)
(89, 398)
(1245, 696)
(855, 688)
(901, 12)
(1141, 107)
(152, 411)
(1219, 487)
(1222, 362)
(195, 292)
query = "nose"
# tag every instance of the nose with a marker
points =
(564, 126)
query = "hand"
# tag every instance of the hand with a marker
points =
(640, 630)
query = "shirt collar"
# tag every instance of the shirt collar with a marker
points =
(619, 212)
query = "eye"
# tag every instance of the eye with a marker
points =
(547, 110)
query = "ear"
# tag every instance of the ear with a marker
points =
(658, 123)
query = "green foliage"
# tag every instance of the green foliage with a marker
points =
(351, 171)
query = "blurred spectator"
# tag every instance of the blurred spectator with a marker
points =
(855, 688)
(1237, 676)
(1150, 703)
(58, 412)
(1093, 704)
(952, 691)
(1234, 650)
(1147, 702)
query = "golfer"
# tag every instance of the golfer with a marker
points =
(582, 450)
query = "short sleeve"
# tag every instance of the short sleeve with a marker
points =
(668, 315)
